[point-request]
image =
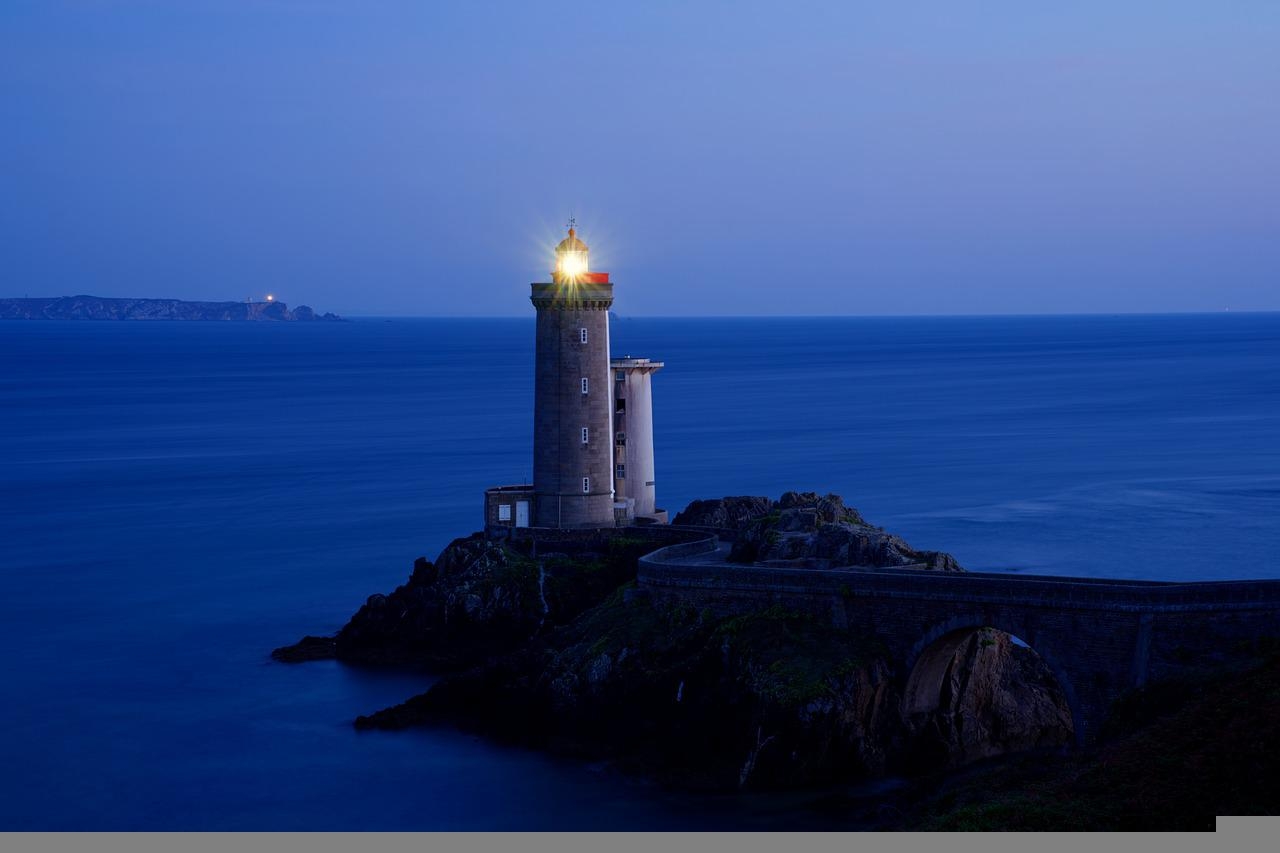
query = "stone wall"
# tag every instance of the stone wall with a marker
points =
(547, 539)
(1099, 637)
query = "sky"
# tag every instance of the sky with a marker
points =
(721, 158)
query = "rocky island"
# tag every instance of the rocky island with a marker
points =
(553, 640)
(111, 308)
(772, 697)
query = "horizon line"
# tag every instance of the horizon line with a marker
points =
(827, 316)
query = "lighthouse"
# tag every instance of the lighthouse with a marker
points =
(572, 396)
(592, 417)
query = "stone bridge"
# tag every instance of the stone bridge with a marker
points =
(1099, 637)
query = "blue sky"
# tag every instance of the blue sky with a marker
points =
(722, 157)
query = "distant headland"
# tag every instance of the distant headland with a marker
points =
(112, 308)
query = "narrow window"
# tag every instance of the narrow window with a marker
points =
(621, 438)
(622, 405)
(586, 485)
(622, 472)
(620, 376)
(584, 385)
(585, 439)
(582, 335)
(504, 512)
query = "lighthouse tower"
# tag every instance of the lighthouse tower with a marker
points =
(592, 417)
(573, 441)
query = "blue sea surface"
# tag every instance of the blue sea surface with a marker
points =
(180, 498)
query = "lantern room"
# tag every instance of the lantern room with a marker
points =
(572, 262)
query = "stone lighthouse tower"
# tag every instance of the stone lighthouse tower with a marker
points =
(592, 417)
(573, 442)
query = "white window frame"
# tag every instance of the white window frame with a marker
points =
(504, 512)
(586, 485)
(621, 472)
(582, 335)
(585, 385)
(586, 435)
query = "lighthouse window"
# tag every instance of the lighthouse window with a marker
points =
(582, 335)
(622, 472)
(584, 385)
(620, 376)
(621, 438)
(586, 485)
(622, 405)
(585, 433)
(504, 512)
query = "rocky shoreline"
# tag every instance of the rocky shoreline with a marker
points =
(552, 644)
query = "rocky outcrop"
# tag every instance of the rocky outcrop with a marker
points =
(110, 308)
(552, 644)
(810, 530)
(479, 598)
(307, 649)
(997, 697)
(731, 512)
(768, 700)
(1179, 754)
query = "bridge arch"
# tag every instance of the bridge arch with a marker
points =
(929, 658)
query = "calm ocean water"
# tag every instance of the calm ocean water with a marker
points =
(178, 499)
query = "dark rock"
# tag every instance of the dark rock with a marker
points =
(768, 700)
(482, 598)
(307, 649)
(808, 529)
(997, 697)
(730, 512)
(828, 508)
(1212, 748)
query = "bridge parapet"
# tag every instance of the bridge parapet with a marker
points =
(669, 567)
(1100, 637)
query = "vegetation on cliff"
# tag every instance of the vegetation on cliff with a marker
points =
(1177, 754)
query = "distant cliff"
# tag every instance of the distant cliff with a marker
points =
(109, 308)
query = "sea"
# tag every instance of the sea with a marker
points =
(177, 499)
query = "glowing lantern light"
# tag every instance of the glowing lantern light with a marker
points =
(571, 257)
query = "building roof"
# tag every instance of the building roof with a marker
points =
(571, 244)
(635, 363)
